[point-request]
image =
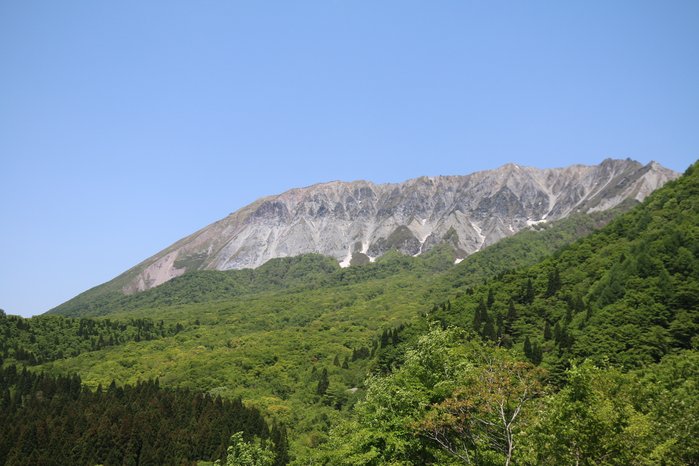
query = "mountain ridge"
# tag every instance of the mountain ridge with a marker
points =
(355, 222)
(625, 295)
(311, 271)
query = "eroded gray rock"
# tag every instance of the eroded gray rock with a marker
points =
(359, 221)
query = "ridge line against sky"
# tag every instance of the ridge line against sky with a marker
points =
(125, 127)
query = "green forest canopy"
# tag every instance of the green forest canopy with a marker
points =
(401, 361)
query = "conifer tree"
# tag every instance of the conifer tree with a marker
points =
(528, 292)
(489, 329)
(481, 316)
(536, 353)
(554, 282)
(557, 332)
(323, 383)
(527, 348)
(491, 299)
(547, 331)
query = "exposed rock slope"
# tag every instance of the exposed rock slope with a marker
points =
(359, 221)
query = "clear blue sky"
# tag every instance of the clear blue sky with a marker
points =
(127, 125)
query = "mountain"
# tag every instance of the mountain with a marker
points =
(356, 222)
(610, 325)
(624, 296)
(314, 271)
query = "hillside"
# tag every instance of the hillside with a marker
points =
(267, 338)
(129, 318)
(298, 337)
(357, 222)
(313, 271)
(610, 327)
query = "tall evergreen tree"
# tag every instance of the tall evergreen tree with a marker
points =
(489, 329)
(528, 293)
(323, 383)
(547, 331)
(527, 347)
(554, 282)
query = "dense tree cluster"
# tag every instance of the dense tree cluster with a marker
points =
(628, 294)
(457, 400)
(46, 338)
(588, 356)
(248, 453)
(609, 326)
(56, 421)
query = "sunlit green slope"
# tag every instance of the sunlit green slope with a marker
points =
(610, 328)
(268, 336)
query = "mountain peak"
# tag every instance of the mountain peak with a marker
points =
(362, 220)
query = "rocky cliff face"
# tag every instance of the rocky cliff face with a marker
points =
(358, 221)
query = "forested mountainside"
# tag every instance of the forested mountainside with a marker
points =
(49, 420)
(47, 338)
(267, 334)
(589, 357)
(313, 271)
(514, 356)
(357, 222)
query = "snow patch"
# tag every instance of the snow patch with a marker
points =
(422, 243)
(531, 222)
(346, 262)
(423, 237)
